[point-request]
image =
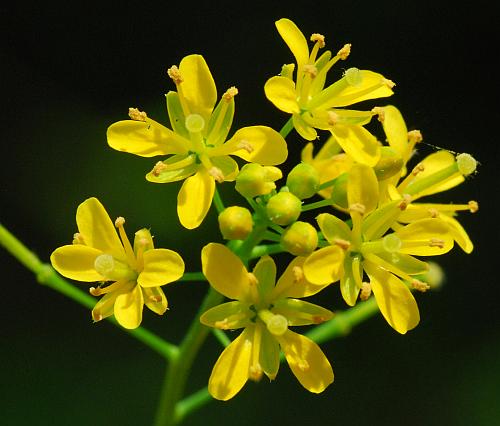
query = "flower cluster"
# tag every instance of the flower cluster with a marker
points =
(371, 230)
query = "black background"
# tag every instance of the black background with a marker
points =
(70, 70)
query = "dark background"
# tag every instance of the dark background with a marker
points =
(68, 71)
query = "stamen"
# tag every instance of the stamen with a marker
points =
(217, 174)
(318, 38)
(466, 164)
(389, 83)
(344, 52)
(119, 222)
(333, 118)
(155, 299)
(420, 285)
(223, 325)
(311, 70)
(318, 319)
(78, 238)
(298, 274)
(380, 112)
(343, 244)
(405, 202)
(95, 291)
(473, 206)
(247, 146)
(436, 242)
(255, 372)
(96, 316)
(415, 136)
(230, 93)
(137, 115)
(366, 291)
(174, 73)
(159, 167)
(433, 212)
(358, 208)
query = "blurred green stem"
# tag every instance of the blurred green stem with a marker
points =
(287, 128)
(46, 275)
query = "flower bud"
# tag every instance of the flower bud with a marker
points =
(254, 180)
(235, 223)
(303, 180)
(389, 164)
(300, 239)
(283, 208)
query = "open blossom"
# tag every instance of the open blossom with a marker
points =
(130, 277)
(264, 310)
(387, 259)
(197, 145)
(314, 106)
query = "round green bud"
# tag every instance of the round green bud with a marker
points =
(283, 208)
(390, 163)
(303, 180)
(235, 223)
(254, 180)
(300, 239)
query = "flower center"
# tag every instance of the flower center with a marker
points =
(112, 269)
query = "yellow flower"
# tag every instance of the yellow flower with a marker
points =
(197, 142)
(315, 107)
(366, 248)
(135, 274)
(265, 311)
(437, 172)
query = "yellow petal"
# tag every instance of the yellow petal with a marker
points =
(325, 265)
(76, 262)
(348, 285)
(333, 228)
(362, 187)
(459, 233)
(198, 86)
(176, 114)
(395, 129)
(155, 299)
(265, 146)
(294, 39)
(426, 237)
(299, 312)
(265, 272)
(394, 299)
(269, 354)
(293, 282)
(195, 198)
(228, 167)
(303, 128)
(225, 271)
(146, 139)
(230, 372)
(128, 308)
(97, 230)
(358, 143)
(228, 316)
(307, 361)
(281, 92)
(380, 220)
(161, 266)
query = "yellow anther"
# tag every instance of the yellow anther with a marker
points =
(311, 70)
(303, 365)
(78, 238)
(333, 118)
(318, 38)
(247, 146)
(298, 274)
(230, 93)
(137, 115)
(174, 73)
(344, 52)
(420, 285)
(415, 136)
(366, 291)
(358, 208)
(436, 242)
(252, 279)
(389, 83)
(419, 168)
(159, 167)
(380, 112)
(120, 221)
(433, 212)
(343, 244)
(217, 174)
(318, 319)
(255, 372)
(155, 299)
(96, 316)
(95, 291)
(223, 325)
(405, 202)
(473, 206)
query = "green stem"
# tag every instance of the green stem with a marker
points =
(272, 236)
(262, 250)
(221, 337)
(316, 205)
(219, 204)
(179, 367)
(287, 128)
(191, 403)
(46, 275)
(193, 276)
